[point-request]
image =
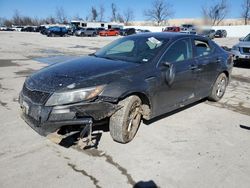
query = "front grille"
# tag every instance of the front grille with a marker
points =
(246, 50)
(35, 96)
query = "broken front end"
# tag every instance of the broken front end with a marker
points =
(46, 112)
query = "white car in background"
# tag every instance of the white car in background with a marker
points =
(3, 28)
(17, 28)
(241, 51)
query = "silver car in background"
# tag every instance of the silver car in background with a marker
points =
(86, 32)
(241, 51)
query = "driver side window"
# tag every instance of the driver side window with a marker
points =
(179, 51)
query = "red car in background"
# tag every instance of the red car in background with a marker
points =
(172, 29)
(109, 32)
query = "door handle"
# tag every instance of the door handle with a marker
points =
(218, 60)
(193, 67)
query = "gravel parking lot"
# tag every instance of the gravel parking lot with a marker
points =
(203, 145)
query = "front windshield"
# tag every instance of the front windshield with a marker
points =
(133, 49)
(247, 38)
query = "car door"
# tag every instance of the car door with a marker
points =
(111, 32)
(207, 62)
(58, 31)
(89, 31)
(177, 80)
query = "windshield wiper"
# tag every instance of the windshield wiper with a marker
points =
(110, 58)
(93, 54)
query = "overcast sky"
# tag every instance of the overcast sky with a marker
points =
(44, 8)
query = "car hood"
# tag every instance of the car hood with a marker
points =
(244, 44)
(82, 72)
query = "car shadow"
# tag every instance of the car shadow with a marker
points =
(71, 136)
(242, 64)
(145, 184)
(245, 127)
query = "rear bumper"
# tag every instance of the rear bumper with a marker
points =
(45, 120)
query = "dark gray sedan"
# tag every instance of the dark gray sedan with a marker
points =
(133, 78)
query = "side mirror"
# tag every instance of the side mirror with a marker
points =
(170, 73)
(167, 64)
(241, 39)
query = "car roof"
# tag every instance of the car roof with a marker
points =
(167, 35)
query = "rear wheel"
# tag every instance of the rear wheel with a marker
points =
(126, 121)
(219, 88)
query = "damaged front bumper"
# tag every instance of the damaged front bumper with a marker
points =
(45, 119)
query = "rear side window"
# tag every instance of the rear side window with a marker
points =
(202, 48)
(56, 29)
(179, 51)
(64, 29)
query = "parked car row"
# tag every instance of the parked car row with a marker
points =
(22, 28)
(191, 29)
(83, 32)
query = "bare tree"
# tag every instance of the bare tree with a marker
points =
(17, 19)
(114, 12)
(87, 18)
(8, 23)
(101, 13)
(77, 17)
(160, 11)
(216, 13)
(49, 20)
(27, 21)
(2, 20)
(128, 16)
(36, 21)
(120, 18)
(94, 14)
(61, 15)
(246, 11)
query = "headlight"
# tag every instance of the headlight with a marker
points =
(73, 96)
(236, 48)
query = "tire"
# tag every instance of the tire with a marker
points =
(125, 122)
(236, 63)
(219, 88)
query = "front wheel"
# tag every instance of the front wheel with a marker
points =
(219, 88)
(125, 122)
